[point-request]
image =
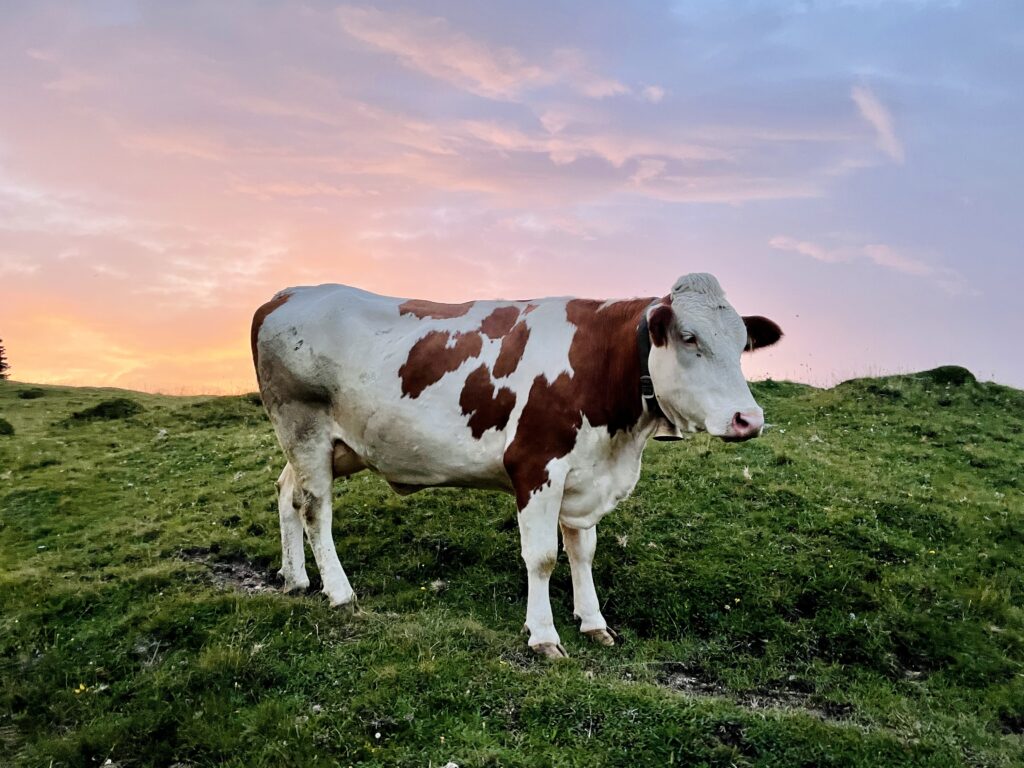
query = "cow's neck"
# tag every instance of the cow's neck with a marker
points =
(605, 360)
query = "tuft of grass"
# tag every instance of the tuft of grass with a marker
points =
(844, 591)
(6, 428)
(32, 393)
(107, 410)
(219, 412)
(954, 375)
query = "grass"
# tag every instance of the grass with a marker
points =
(845, 591)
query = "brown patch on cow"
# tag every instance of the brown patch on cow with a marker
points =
(546, 430)
(511, 352)
(432, 309)
(431, 358)
(604, 387)
(499, 322)
(485, 408)
(257, 322)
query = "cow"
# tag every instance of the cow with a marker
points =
(551, 400)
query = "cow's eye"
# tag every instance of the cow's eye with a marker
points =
(689, 340)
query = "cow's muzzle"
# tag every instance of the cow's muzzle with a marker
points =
(745, 425)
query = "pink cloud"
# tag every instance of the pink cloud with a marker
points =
(879, 254)
(431, 46)
(806, 248)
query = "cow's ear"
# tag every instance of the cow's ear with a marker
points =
(761, 332)
(659, 322)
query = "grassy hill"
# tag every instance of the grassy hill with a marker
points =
(846, 590)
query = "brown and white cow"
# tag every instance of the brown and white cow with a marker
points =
(540, 398)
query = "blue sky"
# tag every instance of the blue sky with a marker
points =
(850, 168)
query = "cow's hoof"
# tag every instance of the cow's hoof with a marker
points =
(293, 585)
(347, 600)
(550, 650)
(604, 636)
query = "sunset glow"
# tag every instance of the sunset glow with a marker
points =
(851, 169)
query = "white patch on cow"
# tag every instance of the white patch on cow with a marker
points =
(547, 352)
(602, 471)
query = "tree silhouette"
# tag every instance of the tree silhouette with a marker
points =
(4, 367)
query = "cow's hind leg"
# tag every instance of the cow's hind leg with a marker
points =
(293, 553)
(580, 544)
(310, 450)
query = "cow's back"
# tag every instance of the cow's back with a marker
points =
(425, 393)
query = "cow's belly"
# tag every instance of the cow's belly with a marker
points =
(602, 472)
(421, 450)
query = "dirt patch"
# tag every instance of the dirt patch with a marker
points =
(235, 573)
(792, 693)
(1011, 722)
(693, 683)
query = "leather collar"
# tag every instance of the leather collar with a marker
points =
(643, 343)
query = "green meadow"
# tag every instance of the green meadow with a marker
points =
(847, 590)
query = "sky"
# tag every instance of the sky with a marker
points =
(852, 169)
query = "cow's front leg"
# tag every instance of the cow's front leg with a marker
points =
(538, 529)
(580, 544)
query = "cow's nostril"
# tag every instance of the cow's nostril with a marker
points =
(739, 421)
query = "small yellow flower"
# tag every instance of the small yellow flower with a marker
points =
(423, 589)
(735, 599)
(931, 551)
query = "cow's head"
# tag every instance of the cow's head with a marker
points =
(697, 339)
